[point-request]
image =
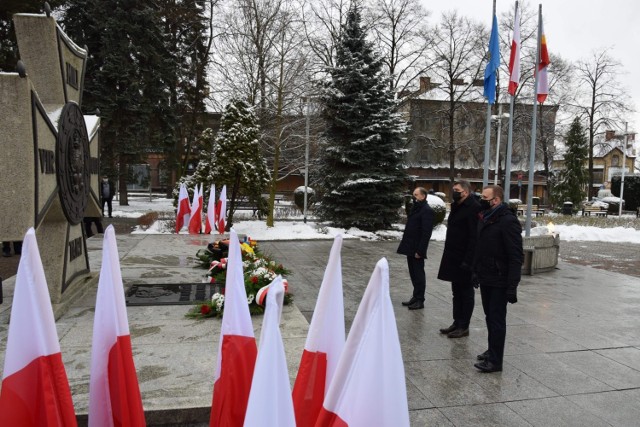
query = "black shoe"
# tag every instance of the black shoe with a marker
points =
(411, 301)
(450, 329)
(417, 305)
(483, 356)
(458, 333)
(486, 366)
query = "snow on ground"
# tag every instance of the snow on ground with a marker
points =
(296, 229)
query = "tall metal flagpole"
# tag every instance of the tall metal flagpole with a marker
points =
(487, 133)
(532, 151)
(624, 166)
(507, 162)
(496, 176)
(306, 164)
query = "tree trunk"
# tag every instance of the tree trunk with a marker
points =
(122, 180)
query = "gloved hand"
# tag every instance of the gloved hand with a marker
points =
(475, 281)
(512, 295)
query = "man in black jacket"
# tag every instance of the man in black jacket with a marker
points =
(457, 257)
(107, 191)
(414, 244)
(497, 266)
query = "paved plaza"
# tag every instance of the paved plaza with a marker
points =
(572, 355)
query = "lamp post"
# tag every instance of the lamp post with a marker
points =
(498, 119)
(308, 102)
(624, 166)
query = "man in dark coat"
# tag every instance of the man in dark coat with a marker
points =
(497, 266)
(457, 257)
(414, 244)
(107, 191)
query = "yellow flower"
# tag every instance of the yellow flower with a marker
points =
(246, 248)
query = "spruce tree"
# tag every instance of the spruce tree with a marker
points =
(360, 169)
(574, 178)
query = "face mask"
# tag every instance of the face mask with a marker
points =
(485, 204)
(457, 195)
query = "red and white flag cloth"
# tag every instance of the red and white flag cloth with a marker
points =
(184, 208)
(221, 210)
(114, 393)
(514, 58)
(237, 349)
(195, 222)
(35, 388)
(543, 79)
(324, 344)
(368, 388)
(211, 211)
(270, 402)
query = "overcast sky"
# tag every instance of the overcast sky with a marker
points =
(574, 28)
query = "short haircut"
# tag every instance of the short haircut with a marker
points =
(422, 190)
(464, 184)
(497, 191)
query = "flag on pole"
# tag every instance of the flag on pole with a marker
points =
(368, 388)
(221, 210)
(514, 58)
(35, 388)
(270, 402)
(210, 220)
(491, 71)
(324, 344)
(114, 393)
(237, 348)
(195, 222)
(543, 79)
(184, 208)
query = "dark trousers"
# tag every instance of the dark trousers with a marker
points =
(463, 302)
(494, 303)
(17, 247)
(418, 278)
(108, 202)
(88, 220)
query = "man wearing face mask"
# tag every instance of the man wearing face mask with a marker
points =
(106, 194)
(457, 257)
(414, 244)
(496, 267)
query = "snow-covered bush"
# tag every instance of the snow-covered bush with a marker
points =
(439, 208)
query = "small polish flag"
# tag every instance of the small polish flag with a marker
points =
(184, 208)
(114, 394)
(221, 210)
(35, 389)
(270, 402)
(514, 58)
(324, 344)
(368, 388)
(237, 348)
(211, 211)
(195, 222)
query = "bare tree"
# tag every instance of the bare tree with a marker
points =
(600, 98)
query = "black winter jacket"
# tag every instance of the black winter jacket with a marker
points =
(498, 255)
(417, 232)
(460, 243)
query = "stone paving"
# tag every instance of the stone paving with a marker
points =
(572, 353)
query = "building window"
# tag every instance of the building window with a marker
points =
(615, 160)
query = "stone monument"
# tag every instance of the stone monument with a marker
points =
(49, 166)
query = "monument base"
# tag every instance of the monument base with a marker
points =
(76, 290)
(540, 253)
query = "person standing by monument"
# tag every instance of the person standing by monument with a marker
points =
(107, 192)
(457, 257)
(497, 267)
(414, 244)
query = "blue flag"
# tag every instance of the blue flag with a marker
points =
(491, 72)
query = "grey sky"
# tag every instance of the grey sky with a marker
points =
(574, 28)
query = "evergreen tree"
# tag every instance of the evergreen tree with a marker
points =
(574, 178)
(360, 168)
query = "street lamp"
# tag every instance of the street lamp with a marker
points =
(624, 165)
(498, 119)
(308, 100)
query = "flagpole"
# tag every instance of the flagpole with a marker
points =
(624, 166)
(532, 151)
(507, 166)
(487, 133)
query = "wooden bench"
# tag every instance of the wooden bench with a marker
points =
(595, 210)
(535, 210)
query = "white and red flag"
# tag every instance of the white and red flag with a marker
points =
(270, 402)
(210, 220)
(514, 58)
(368, 388)
(114, 393)
(35, 388)
(184, 208)
(195, 222)
(543, 78)
(324, 344)
(221, 210)
(237, 348)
